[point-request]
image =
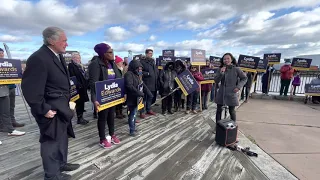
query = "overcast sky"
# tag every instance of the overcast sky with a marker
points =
(290, 27)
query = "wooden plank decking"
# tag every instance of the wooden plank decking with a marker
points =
(173, 147)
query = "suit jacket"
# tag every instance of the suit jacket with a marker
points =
(82, 84)
(46, 86)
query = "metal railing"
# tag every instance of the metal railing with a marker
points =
(305, 77)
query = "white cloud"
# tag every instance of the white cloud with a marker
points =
(152, 38)
(117, 33)
(10, 38)
(141, 28)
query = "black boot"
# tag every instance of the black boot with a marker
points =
(118, 115)
(121, 114)
(81, 120)
(182, 103)
(170, 111)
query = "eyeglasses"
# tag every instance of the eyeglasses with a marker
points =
(110, 52)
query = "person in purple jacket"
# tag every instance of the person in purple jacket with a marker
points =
(296, 82)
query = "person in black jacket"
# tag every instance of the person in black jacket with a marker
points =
(179, 68)
(46, 88)
(150, 78)
(246, 88)
(167, 84)
(132, 80)
(76, 69)
(102, 68)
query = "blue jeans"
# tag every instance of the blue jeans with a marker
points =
(212, 94)
(147, 100)
(132, 111)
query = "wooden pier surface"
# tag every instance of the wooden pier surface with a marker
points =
(173, 147)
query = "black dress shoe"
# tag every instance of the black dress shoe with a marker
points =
(170, 112)
(69, 167)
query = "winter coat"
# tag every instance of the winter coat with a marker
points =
(296, 81)
(131, 82)
(229, 81)
(206, 87)
(167, 79)
(198, 76)
(249, 79)
(179, 68)
(286, 72)
(150, 74)
(82, 84)
(99, 72)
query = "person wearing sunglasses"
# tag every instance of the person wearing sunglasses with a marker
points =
(103, 67)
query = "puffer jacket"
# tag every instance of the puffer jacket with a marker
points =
(167, 79)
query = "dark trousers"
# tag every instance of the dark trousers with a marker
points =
(12, 96)
(177, 98)
(54, 155)
(80, 107)
(147, 100)
(294, 90)
(167, 103)
(285, 83)
(154, 99)
(192, 100)
(104, 116)
(212, 94)
(245, 92)
(132, 111)
(232, 112)
(204, 96)
(5, 121)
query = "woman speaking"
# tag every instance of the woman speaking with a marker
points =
(232, 79)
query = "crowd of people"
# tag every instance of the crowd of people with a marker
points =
(46, 88)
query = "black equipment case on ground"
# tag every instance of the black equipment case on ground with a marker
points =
(226, 132)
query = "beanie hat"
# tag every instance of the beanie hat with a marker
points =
(101, 48)
(118, 59)
(1, 50)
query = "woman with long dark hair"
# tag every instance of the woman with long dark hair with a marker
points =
(228, 74)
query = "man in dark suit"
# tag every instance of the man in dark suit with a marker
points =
(76, 69)
(46, 87)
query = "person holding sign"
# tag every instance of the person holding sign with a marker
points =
(76, 69)
(193, 97)
(132, 80)
(227, 94)
(120, 65)
(46, 87)
(167, 83)
(102, 67)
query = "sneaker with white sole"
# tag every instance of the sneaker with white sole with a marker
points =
(0, 142)
(16, 133)
(105, 144)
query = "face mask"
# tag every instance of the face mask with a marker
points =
(140, 73)
(121, 68)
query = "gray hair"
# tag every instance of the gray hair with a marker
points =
(51, 33)
(75, 54)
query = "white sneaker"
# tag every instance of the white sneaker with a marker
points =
(16, 133)
(0, 142)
